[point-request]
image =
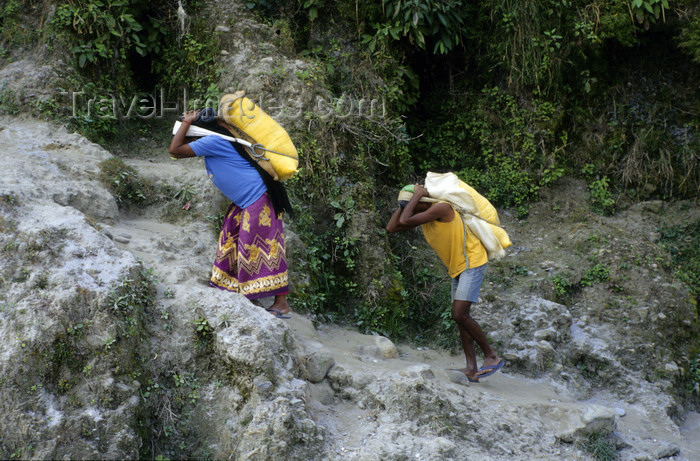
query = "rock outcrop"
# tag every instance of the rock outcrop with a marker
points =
(118, 349)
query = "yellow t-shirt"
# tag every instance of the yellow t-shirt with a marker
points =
(447, 239)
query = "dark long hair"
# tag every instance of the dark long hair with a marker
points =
(278, 194)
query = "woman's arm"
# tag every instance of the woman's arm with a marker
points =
(178, 148)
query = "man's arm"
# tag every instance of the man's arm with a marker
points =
(178, 148)
(438, 211)
(393, 225)
(408, 218)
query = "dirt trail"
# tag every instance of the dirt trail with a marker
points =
(182, 254)
(525, 411)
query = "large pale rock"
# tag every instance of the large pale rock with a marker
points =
(260, 412)
(386, 348)
(69, 349)
(420, 370)
(245, 335)
(569, 422)
(45, 162)
(31, 78)
(318, 364)
(281, 428)
(524, 330)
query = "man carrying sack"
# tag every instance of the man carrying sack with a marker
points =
(465, 258)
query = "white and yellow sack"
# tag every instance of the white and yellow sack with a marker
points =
(272, 146)
(476, 211)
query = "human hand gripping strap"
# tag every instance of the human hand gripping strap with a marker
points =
(198, 132)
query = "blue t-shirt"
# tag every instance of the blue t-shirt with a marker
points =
(231, 173)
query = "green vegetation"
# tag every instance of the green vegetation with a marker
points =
(563, 288)
(428, 304)
(11, 30)
(693, 375)
(203, 332)
(119, 49)
(421, 22)
(683, 242)
(131, 295)
(596, 274)
(128, 188)
(9, 101)
(129, 298)
(185, 194)
(106, 30)
(116, 37)
(170, 399)
(689, 38)
(511, 95)
(600, 445)
(600, 198)
(215, 222)
(329, 256)
(508, 165)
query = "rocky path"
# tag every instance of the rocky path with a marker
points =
(180, 254)
(364, 398)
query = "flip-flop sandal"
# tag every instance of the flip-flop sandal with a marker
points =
(278, 314)
(489, 370)
(471, 380)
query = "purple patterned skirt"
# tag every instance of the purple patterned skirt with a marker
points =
(251, 258)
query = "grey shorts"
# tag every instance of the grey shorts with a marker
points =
(466, 286)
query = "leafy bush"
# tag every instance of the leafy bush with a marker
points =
(600, 198)
(538, 45)
(203, 332)
(563, 288)
(649, 11)
(133, 294)
(502, 146)
(129, 298)
(119, 45)
(128, 188)
(428, 303)
(107, 29)
(421, 22)
(689, 39)
(388, 316)
(596, 274)
(105, 36)
(329, 262)
(190, 64)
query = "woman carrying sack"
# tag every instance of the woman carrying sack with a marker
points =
(251, 257)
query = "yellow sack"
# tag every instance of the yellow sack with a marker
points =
(476, 211)
(489, 213)
(272, 147)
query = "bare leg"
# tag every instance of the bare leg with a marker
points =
(470, 332)
(281, 305)
(468, 347)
